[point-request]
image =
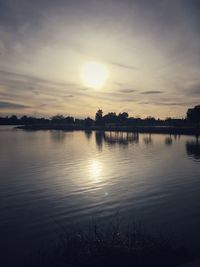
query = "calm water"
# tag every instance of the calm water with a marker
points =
(53, 178)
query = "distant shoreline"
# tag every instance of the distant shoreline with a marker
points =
(138, 129)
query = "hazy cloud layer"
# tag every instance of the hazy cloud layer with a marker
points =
(144, 44)
(151, 92)
(127, 91)
(123, 66)
(9, 105)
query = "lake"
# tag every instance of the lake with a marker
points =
(55, 179)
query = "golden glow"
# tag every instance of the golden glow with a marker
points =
(95, 169)
(94, 74)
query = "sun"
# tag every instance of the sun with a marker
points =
(94, 74)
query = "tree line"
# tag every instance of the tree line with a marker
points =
(111, 118)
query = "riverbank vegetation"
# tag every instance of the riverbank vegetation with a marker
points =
(112, 122)
(109, 247)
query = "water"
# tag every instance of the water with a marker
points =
(50, 179)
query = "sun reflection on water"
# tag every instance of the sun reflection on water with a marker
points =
(96, 169)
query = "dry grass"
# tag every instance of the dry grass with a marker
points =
(111, 246)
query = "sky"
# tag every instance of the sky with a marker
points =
(151, 50)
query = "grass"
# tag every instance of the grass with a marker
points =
(111, 246)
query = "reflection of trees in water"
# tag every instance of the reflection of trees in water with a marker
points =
(58, 136)
(148, 140)
(177, 137)
(99, 136)
(116, 138)
(193, 148)
(88, 134)
(168, 141)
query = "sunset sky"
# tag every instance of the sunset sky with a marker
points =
(150, 51)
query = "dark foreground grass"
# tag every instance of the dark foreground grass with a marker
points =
(112, 246)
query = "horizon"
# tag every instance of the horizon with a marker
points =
(72, 57)
(91, 117)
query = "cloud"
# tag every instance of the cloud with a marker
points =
(132, 47)
(151, 92)
(68, 96)
(124, 66)
(21, 79)
(165, 103)
(9, 105)
(15, 86)
(127, 91)
(190, 88)
(144, 103)
(36, 91)
(173, 104)
(195, 89)
(170, 103)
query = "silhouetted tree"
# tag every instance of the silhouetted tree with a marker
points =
(111, 117)
(69, 120)
(79, 121)
(122, 117)
(13, 119)
(99, 117)
(88, 122)
(193, 114)
(60, 119)
(150, 120)
(24, 119)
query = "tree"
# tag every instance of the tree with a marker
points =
(58, 119)
(99, 117)
(122, 117)
(69, 120)
(111, 117)
(193, 114)
(88, 122)
(13, 119)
